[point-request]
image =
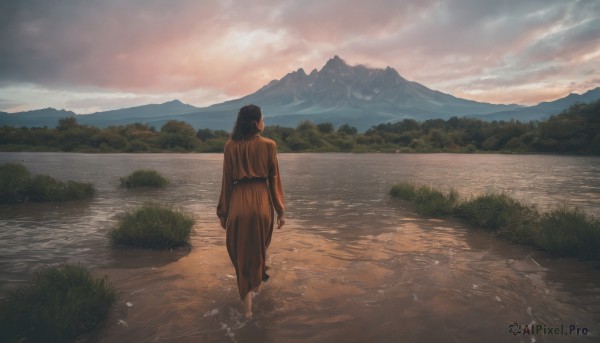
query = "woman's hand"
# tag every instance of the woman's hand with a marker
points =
(280, 222)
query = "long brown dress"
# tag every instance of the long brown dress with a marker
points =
(250, 191)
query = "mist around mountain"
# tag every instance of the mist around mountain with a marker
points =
(338, 93)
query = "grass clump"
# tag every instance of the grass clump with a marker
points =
(427, 200)
(561, 232)
(18, 185)
(569, 232)
(492, 211)
(45, 188)
(14, 182)
(144, 178)
(404, 190)
(499, 212)
(153, 226)
(61, 303)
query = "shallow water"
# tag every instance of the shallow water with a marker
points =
(351, 264)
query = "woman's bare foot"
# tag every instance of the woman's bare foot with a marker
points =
(248, 305)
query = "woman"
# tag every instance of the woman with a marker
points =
(250, 193)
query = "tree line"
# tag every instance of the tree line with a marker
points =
(574, 131)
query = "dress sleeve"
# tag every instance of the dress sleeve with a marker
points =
(226, 188)
(275, 183)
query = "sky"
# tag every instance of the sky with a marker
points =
(88, 56)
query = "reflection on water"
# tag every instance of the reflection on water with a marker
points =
(351, 264)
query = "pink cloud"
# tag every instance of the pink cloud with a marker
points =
(467, 47)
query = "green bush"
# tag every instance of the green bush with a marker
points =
(404, 190)
(153, 226)
(562, 232)
(62, 303)
(14, 182)
(45, 188)
(427, 201)
(569, 232)
(493, 211)
(17, 185)
(520, 231)
(143, 178)
(79, 190)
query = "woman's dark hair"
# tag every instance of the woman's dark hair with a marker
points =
(246, 124)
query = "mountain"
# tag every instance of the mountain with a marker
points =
(357, 95)
(43, 117)
(338, 93)
(50, 116)
(339, 85)
(163, 112)
(544, 110)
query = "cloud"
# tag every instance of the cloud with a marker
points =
(103, 43)
(7, 104)
(231, 48)
(84, 100)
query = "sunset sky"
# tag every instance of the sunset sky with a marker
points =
(88, 56)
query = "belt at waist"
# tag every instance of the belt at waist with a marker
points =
(248, 180)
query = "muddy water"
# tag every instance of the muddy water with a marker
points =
(351, 264)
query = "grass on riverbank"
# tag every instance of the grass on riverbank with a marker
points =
(561, 232)
(144, 178)
(569, 232)
(499, 212)
(427, 201)
(61, 303)
(18, 185)
(153, 226)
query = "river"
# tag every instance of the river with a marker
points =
(352, 264)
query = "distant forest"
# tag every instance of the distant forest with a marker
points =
(574, 131)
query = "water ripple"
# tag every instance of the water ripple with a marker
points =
(351, 264)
